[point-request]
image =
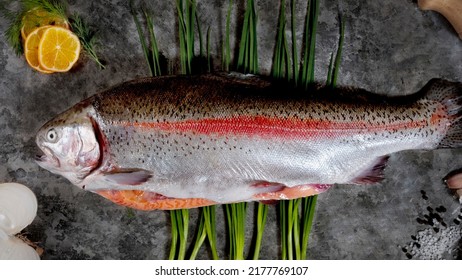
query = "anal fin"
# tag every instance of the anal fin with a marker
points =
(373, 174)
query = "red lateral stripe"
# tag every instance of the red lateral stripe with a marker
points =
(274, 127)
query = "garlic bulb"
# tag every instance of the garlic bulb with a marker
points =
(450, 9)
(13, 248)
(18, 207)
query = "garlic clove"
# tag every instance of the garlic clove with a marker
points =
(450, 9)
(13, 248)
(454, 180)
(18, 207)
(458, 195)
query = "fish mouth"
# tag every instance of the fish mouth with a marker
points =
(40, 158)
(47, 159)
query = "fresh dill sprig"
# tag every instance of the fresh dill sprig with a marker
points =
(87, 37)
(54, 7)
(57, 9)
(13, 39)
(13, 32)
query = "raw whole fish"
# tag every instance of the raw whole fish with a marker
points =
(181, 142)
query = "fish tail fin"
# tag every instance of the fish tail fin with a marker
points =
(449, 94)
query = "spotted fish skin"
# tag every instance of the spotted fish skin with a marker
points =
(227, 138)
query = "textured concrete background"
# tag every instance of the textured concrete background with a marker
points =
(390, 47)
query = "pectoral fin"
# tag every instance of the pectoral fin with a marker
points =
(146, 201)
(131, 177)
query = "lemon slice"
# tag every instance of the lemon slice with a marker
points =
(38, 17)
(31, 49)
(58, 50)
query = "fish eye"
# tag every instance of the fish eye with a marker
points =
(52, 136)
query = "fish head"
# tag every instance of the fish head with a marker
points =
(70, 145)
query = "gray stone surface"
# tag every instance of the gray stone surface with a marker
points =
(390, 47)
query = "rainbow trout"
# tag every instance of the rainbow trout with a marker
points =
(182, 142)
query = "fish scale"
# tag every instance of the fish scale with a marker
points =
(202, 140)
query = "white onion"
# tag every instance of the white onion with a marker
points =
(18, 207)
(13, 248)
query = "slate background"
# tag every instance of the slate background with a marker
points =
(390, 47)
